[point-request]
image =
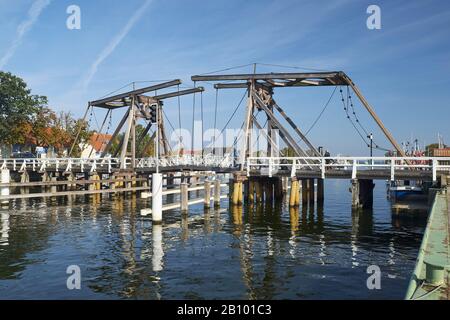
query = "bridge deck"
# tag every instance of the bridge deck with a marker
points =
(375, 174)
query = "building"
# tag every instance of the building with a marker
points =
(96, 145)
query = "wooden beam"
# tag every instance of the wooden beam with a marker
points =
(266, 76)
(135, 92)
(297, 129)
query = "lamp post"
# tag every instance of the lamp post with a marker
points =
(370, 136)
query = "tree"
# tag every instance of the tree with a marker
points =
(17, 108)
(143, 147)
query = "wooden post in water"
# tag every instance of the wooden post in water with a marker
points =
(366, 193)
(251, 191)
(207, 202)
(237, 190)
(294, 191)
(304, 192)
(217, 193)
(24, 178)
(5, 178)
(259, 192)
(278, 185)
(157, 182)
(269, 190)
(184, 195)
(320, 190)
(355, 194)
(311, 191)
(284, 184)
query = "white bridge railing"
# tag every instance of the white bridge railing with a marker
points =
(109, 164)
(270, 165)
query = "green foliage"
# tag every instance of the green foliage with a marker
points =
(26, 119)
(17, 107)
(144, 147)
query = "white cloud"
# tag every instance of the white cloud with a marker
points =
(33, 15)
(109, 49)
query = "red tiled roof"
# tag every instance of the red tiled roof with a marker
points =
(99, 141)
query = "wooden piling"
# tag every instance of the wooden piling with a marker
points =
(207, 201)
(304, 192)
(311, 191)
(354, 188)
(217, 193)
(259, 191)
(184, 197)
(5, 178)
(251, 191)
(294, 191)
(278, 186)
(320, 190)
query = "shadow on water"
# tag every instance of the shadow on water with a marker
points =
(251, 252)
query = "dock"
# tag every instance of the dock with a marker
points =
(431, 276)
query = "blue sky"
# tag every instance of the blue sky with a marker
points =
(402, 69)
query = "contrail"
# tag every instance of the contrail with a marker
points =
(113, 44)
(33, 14)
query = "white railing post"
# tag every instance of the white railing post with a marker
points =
(434, 170)
(323, 168)
(270, 167)
(354, 169)
(293, 169)
(392, 169)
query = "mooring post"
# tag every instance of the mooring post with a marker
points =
(366, 193)
(230, 189)
(320, 190)
(24, 178)
(269, 190)
(355, 194)
(284, 184)
(217, 193)
(54, 188)
(5, 178)
(294, 190)
(157, 180)
(278, 185)
(311, 191)
(207, 202)
(184, 196)
(44, 178)
(237, 190)
(304, 192)
(246, 190)
(251, 190)
(259, 191)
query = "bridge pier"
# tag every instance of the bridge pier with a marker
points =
(362, 193)
(5, 178)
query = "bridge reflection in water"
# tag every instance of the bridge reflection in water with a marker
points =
(249, 252)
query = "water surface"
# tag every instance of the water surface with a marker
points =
(258, 252)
